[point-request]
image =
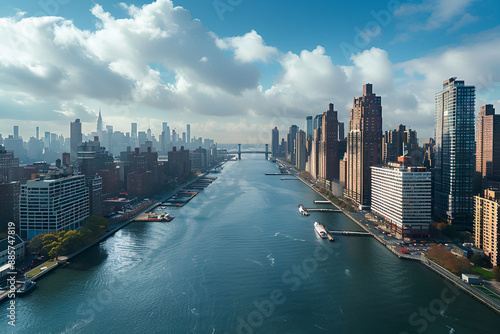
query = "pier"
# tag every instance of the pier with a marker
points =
(351, 233)
(328, 234)
(278, 174)
(322, 202)
(324, 210)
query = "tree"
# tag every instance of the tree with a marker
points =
(496, 272)
(72, 241)
(56, 251)
(36, 244)
(448, 260)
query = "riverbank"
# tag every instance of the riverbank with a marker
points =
(117, 226)
(488, 301)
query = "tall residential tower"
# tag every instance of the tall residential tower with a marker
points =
(454, 154)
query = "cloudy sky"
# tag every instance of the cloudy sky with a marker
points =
(235, 68)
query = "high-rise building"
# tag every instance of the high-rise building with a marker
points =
(37, 133)
(16, 131)
(53, 205)
(275, 142)
(317, 121)
(9, 202)
(99, 125)
(309, 126)
(488, 142)
(341, 135)
(396, 143)
(487, 223)
(300, 142)
(292, 135)
(75, 138)
(454, 154)
(46, 140)
(188, 133)
(402, 196)
(9, 166)
(133, 133)
(328, 165)
(179, 163)
(364, 141)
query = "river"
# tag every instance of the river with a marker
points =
(239, 258)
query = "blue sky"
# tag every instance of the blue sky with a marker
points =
(236, 68)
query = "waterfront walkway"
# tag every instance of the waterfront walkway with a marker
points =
(392, 244)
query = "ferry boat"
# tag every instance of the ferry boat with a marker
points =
(320, 230)
(303, 211)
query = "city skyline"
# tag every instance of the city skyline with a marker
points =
(264, 81)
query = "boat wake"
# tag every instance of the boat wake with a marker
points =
(270, 258)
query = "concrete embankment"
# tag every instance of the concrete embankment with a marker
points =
(478, 295)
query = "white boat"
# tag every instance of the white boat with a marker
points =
(320, 230)
(303, 211)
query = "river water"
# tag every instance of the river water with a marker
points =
(239, 258)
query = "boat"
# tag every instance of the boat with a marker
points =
(320, 230)
(27, 286)
(160, 217)
(303, 211)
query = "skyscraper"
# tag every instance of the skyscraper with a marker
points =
(309, 126)
(292, 134)
(328, 167)
(16, 131)
(341, 131)
(99, 124)
(397, 143)
(188, 134)
(300, 142)
(488, 142)
(133, 134)
(454, 154)
(275, 144)
(37, 133)
(364, 141)
(75, 138)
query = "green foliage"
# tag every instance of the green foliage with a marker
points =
(66, 242)
(496, 272)
(36, 244)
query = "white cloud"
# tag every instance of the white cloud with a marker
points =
(52, 70)
(441, 13)
(248, 48)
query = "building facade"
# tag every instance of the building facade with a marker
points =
(488, 142)
(402, 196)
(328, 164)
(53, 205)
(454, 154)
(300, 142)
(275, 142)
(486, 223)
(364, 141)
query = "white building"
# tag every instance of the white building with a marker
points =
(402, 196)
(18, 246)
(53, 205)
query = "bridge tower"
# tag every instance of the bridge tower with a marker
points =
(267, 151)
(239, 151)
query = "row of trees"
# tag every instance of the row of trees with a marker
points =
(447, 259)
(66, 242)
